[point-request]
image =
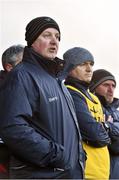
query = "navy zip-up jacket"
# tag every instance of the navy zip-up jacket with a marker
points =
(92, 131)
(38, 123)
(112, 109)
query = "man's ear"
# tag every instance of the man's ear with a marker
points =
(8, 67)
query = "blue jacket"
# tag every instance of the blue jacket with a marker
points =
(91, 131)
(95, 137)
(38, 123)
(111, 109)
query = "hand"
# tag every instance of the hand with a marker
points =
(110, 119)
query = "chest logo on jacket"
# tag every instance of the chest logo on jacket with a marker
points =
(53, 99)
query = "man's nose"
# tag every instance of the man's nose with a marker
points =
(54, 40)
(111, 88)
(89, 67)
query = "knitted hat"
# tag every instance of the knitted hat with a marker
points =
(99, 76)
(36, 26)
(76, 56)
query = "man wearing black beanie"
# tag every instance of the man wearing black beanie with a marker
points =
(99, 76)
(38, 112)
(103, 84)
(36, 26)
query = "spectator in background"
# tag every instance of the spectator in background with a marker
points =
(79, 64)
(38, 111)
(103, 85)
(10, 58)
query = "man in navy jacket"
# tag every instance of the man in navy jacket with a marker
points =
(79, 70)
(38, 121)
(103, 84)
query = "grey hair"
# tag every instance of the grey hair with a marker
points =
(10, 55)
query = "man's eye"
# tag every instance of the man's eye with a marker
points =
(105, 85)
(57, 37)
(46, 35)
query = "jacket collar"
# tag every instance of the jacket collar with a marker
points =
(81, 85)
(103, 101)
(53, 67)
(77, 83)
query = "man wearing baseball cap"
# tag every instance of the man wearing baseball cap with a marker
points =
(38, 112)
(103, 85)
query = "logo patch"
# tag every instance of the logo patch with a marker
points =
(53, 99)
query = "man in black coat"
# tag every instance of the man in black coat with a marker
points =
(10, 58)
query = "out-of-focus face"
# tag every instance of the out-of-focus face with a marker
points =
(19, 58)
(9, 66)
(106, 89)
(83, 72)
(47, 44)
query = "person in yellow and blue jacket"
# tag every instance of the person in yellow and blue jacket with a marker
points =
(94, 130)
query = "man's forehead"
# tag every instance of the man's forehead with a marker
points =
(50, 30)
(110, 81)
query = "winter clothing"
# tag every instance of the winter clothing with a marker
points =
(111, 109)
(99, 76)
(95, 137)
(89, 115)
(3, 75)
(4, 153)
(37, 26)
(40, 113)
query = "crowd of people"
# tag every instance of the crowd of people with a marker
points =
(58, 118)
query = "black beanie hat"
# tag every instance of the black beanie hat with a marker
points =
(76, 56)
(99, 76)
(36, 26)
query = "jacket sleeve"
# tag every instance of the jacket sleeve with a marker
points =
(114, 131)
(20, 137)
(113, 126)
(92, 132)
(114, 135)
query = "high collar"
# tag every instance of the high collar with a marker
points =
(77, 83)
(53, 67)
(81, 85)
(103, 101)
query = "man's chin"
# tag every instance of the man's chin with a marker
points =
(110, 100)
(88, 81)
(51, 57)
